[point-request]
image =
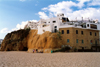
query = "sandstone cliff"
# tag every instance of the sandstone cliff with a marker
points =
(15, 41)
(45, 41)
(23, 39)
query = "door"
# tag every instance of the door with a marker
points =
(95, 42)
(55, 30)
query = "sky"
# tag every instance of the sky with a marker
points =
(14, 14)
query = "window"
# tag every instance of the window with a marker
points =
(65, 19)
(76, 40)
(55, 30)
(62, 31)
(87, 25)
(90, 33)
(44, 25)
(67, 31)
(91, 41)
(62, 14)
(55, 26)
(54, 21)
(48, 22)
(95, 42)
(82, 41)
(76, 31)
(43, 30)
(95, 34)
(82, 32)
(75, 25)
(67, 40)
(93, 26)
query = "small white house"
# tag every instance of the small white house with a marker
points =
(32, 25)
(43, 28)
(0, 41)
(52, 24)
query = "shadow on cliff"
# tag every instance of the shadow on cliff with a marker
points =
(22, 40)
(15, 41)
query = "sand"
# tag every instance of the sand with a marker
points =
(25, 59)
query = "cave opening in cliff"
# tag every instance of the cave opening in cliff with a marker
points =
(8, 50)
(25, 49)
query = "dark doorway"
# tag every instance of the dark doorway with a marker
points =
(55, 30)
(8, 49)
(25, 49)
(82, 48)
(37, 50)
(95, 42)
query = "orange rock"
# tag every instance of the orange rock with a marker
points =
(22, 39)
(46, 40)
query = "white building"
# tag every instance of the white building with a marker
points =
(53, 24)
(1, 41)
(32, 25)
(43, 27)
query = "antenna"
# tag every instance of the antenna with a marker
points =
(76, 18)
(82, 18)
(88, 19)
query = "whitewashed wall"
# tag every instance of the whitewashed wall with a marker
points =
(98, 26)
(32, 25)
(59, 24)
(42, 29)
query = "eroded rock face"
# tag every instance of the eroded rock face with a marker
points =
(15, 41)
(29, 39)
(45, 41)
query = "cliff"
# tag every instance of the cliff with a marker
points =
(15, 41)
(45, 41)
(29, 39)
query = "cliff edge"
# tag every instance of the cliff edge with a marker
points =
(15, 41)
(22, 40)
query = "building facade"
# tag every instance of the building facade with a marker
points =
(80, 38)
(53, 24)
(78, 34)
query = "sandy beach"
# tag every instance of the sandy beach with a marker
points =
(25, 59)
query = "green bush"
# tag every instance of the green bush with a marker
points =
(59, 35)
(66, 48)
(28, 28)
(75, 49)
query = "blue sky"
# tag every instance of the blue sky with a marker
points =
(14, 14)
